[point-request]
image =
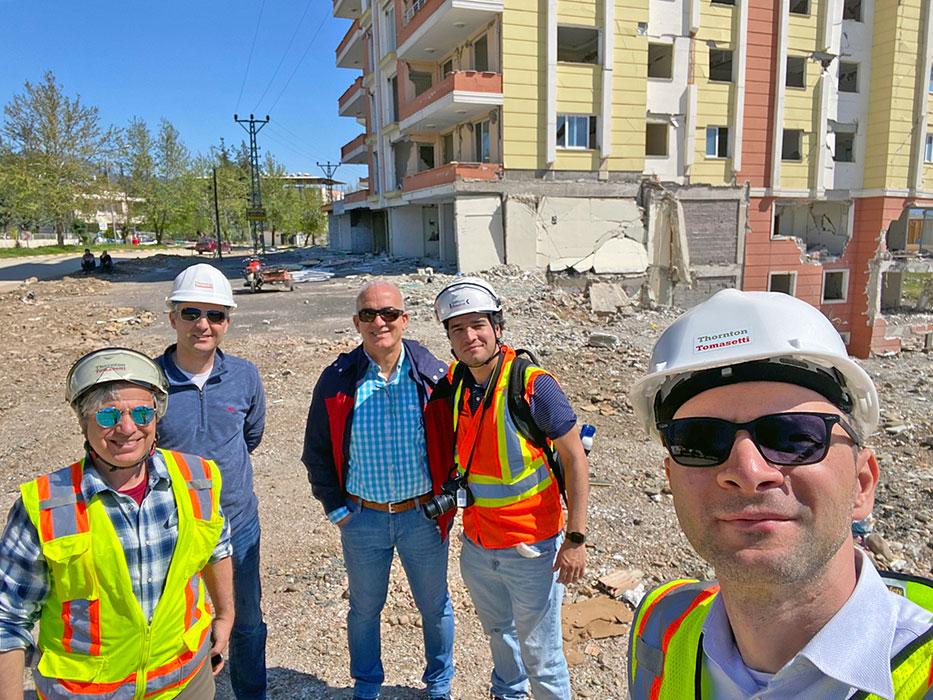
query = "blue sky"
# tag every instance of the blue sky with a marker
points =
(186, 61)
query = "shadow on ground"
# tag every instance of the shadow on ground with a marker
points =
(287, 684)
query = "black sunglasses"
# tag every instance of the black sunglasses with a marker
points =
(786, 439)
(388, 314)
(193, 313)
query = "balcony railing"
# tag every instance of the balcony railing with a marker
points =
(428, 28)
(446, 174)
(354, 151)
(352, 102)
(459, 81)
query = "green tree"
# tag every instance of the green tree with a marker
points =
(56, 141)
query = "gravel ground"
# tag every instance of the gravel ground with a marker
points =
(45, 326)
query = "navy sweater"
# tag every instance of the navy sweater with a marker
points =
(223, 421)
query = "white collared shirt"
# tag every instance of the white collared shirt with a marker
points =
(852, 651)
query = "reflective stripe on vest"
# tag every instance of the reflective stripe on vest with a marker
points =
(521, 470)
(91, 589)
(666, 646)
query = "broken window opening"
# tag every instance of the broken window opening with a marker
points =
(848, 77)
(852, 10)
(821, 227)
(903, 291)
(720, 65)
(661, 61)
(799, 7)
(796, 75)
(656, 140)
(784, 282)
(845, 148)
(791, 148)
(422, 80)
(722, 2)
(578, 44)
(425, 156)
(835, 286)
(912, 234)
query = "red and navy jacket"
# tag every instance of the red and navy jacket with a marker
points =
(330, 421)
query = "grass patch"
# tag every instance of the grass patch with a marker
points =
(912, 286)
(71, 249)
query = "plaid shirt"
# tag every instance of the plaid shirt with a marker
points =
(148, 535)
(388, 457)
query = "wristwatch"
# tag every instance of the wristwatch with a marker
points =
(576, 537)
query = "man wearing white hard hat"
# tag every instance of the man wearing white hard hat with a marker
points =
(764, 417)
(508, 418)
(119, 547)
(218, 406)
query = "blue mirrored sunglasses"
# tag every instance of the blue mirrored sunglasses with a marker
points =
(109, 417)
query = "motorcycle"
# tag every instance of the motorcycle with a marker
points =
(255, 275)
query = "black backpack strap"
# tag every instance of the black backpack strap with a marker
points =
(524, 421)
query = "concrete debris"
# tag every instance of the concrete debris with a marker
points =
(879, 547)
(617, 582)
(607, 298)
(603, 340)
(620, 256)
(594, 618)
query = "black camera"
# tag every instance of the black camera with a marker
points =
(447, 498)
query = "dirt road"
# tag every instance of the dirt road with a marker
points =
(291, 336)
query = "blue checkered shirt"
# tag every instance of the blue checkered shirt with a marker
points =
(388, 457)
(148, 535)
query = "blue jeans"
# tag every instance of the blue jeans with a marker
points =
(518, 601)
(248, 638)
(370, 538)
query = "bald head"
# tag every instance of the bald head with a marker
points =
(381, 289)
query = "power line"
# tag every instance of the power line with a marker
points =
(301, 60)
(297, 138)
(250, 59)
(284, 54)
(290, 146)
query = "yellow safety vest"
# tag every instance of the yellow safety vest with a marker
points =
(93, 635)
(666, 645)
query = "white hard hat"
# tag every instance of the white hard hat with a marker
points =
(204, 283)
(748, 336)
(466, 295)
(116, 365)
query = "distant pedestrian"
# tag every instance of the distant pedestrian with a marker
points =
(106, 262)
(87, 261)
(218, 404)
(367, 457)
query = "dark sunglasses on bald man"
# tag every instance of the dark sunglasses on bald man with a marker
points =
(786, 439)
(388, 314)
(193, 313)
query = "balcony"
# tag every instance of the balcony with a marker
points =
(355, 151)
(350, 50)
(428, 28)
(356, 197)
(348, 9)
(460, 97)
(450, 173)
(353, 103)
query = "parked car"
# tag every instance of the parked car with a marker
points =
(209, 245)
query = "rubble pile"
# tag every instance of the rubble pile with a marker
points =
(596, 343)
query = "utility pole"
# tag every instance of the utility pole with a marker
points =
(329, 170)
(220, 242)
(255, 214)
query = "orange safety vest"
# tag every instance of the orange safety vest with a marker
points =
(95, 641)
(516, 497)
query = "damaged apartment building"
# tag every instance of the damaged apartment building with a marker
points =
(689, 145)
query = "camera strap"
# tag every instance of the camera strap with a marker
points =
(472, 434)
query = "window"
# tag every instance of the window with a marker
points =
(481, 54)
(577, 44)
(931, 78)
(656, 140)
(393, 95)
(800, 7)
(660, 60)
(791, 148)
(481, 141)
(723, 2)
(425, 156)
(848, 77)
(845, 148)
(835, 285)
(784, 282)
(928, 150)
(576, 131)
(421, 80)
(717, 141)
(796, 72)
(390, 28)
(447, 143)
(720, 65)
(447, 67)
(852, 9)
